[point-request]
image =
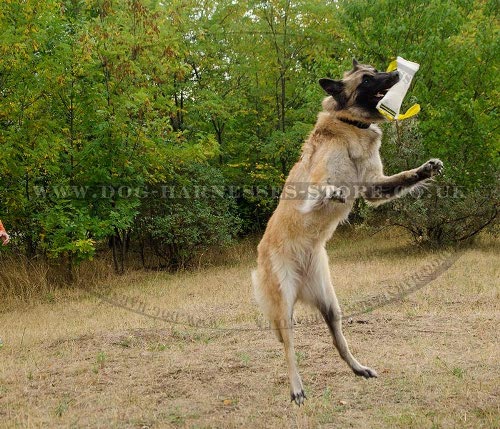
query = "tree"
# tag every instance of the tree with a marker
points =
(88, 97)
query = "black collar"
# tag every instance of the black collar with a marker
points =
(358, 124)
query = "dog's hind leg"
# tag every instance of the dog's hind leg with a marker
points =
(285, 327)
(282, 317)
(276, 292)
(320, 292)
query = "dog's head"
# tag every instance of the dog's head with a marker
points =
(358, 93)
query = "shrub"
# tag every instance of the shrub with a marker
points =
(188, 214)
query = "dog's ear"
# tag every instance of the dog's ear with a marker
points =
(332, 87)
(354, 63)
(335, 88)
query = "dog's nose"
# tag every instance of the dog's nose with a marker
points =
(395, 74)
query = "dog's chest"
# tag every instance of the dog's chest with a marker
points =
(362, 152)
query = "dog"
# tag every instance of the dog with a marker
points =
(340, 162)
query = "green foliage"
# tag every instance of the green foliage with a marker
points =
(87, 115)
(189, 213)
(66, 231)
(103, 102)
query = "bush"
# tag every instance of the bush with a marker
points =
(190, 213)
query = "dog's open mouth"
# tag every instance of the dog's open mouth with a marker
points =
(381, 94)
(388, 83)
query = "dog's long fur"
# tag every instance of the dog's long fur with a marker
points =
(338, 158)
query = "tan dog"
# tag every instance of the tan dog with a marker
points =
(340, 161)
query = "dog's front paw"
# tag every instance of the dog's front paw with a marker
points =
(299, 397)
(431, 168)
(336, 194)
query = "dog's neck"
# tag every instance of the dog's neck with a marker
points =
(359, 124)
(350, 115)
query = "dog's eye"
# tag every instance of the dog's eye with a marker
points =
(366, 79)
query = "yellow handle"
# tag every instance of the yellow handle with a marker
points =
(412, 111)
(384, 113)
(392, 66)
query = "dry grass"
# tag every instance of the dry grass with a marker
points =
(78, 361)
(32, 281)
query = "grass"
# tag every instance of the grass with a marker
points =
(32, 281)
(78, 361)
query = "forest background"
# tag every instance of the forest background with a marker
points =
(154, 130)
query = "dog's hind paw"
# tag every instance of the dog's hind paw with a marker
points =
(365, 372)
(298, 397)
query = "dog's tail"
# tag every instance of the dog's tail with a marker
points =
(257, 290)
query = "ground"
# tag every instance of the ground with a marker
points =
(77, 360)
